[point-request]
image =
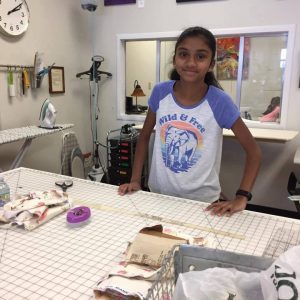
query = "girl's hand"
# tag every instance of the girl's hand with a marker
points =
(129, 188)
(228, 207)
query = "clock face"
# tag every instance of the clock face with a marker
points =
(14, 16)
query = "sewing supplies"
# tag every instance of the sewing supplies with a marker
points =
(11, 85)
(25, 81)
(78, 215)
(4, 192)
(64, 184)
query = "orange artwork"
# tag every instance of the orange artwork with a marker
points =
(228, 58)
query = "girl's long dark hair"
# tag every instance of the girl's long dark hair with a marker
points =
(210, 40)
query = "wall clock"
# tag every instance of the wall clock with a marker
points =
(14, 17)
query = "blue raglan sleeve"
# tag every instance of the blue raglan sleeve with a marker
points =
(225, 111)
(153, 100)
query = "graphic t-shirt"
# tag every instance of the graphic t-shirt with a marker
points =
(188, 143)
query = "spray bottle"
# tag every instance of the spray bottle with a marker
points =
(4, 192)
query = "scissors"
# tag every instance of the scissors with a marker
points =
(64, 184)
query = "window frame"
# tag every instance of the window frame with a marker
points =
(221, 32)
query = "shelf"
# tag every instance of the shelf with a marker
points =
(260, 134)
(268, 135)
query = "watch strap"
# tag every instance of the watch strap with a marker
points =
(244, 193)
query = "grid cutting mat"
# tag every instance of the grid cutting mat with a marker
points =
(56, 261)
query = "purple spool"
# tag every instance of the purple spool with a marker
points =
(78, 214)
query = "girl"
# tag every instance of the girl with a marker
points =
(189, 113)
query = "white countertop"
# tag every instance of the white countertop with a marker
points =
(269, 135)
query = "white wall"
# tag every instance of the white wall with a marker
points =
(166, 15)
(62, 32)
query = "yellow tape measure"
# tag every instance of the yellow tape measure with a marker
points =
(160, 219)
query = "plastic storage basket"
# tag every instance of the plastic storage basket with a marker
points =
(187, 258)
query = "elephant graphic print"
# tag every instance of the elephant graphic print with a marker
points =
(180, 145)
(188, 140)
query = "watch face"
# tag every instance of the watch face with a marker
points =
(14, 16)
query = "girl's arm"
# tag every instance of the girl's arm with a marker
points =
(140, 155)
(253, 158)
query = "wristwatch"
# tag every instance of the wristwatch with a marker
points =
(244, 193)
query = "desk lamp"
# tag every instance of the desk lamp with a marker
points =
(137, 92)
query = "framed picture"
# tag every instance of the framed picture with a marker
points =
(118, 2)
(228, 57)
(56, 80)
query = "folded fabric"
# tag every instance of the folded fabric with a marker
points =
(136, 271)
(208, 242)
(134, 276)
(34, 209)
(117, 287)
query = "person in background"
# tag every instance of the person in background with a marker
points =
(189, 113)
(272, 112)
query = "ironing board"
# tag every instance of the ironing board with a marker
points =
(28, 133)
(71, 153)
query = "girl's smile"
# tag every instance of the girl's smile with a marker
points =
(193, 59)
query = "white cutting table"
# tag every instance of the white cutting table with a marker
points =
(56, 261)
(27, 133)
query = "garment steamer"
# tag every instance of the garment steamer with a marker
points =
(94, 77)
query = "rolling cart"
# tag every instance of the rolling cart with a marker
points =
(121, 144)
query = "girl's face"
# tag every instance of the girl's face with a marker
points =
(193, 59)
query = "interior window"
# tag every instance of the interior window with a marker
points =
(257, 88)
(140, 68)
(166, 59)
(252, 65)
